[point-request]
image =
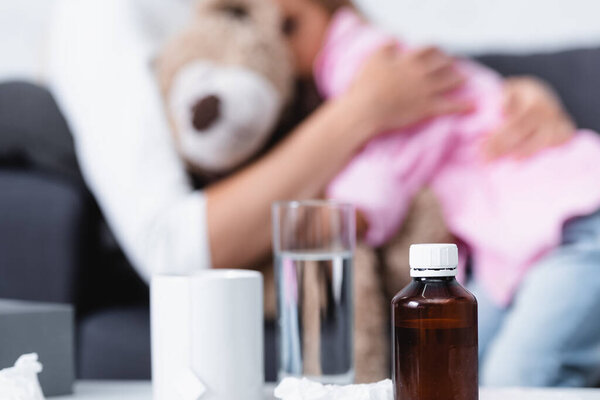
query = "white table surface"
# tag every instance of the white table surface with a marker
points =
(127, 390)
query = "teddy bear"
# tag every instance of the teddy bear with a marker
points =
(225, 80)
(230, 94)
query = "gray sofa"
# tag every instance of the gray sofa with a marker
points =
(53, 245)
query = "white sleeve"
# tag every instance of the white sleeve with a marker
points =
(99, 70)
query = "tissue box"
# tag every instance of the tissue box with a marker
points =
(45, 329)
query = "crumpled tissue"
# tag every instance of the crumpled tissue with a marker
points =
(21, 381)
(304, 389)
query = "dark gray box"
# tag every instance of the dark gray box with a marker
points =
(45, 329)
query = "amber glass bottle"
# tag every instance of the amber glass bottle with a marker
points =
(435, 330)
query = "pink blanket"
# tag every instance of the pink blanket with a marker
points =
(508, 213)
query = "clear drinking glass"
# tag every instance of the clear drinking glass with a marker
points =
(313, 245)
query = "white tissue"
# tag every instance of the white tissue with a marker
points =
(21, 381)
(304, 389)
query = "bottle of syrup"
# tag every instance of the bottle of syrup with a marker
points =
(435, 330)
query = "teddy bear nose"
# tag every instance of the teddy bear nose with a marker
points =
(206, 112)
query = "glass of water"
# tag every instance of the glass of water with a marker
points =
(313, 244)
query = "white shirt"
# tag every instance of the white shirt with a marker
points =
(100, 71)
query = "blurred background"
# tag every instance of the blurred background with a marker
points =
(113, 327)
(465, 26)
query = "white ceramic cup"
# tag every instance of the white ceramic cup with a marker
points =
(207, 336)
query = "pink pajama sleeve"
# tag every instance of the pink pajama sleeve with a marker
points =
(383, 178)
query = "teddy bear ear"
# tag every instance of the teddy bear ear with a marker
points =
(236, 9)
(202, 6)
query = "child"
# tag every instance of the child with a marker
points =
(517, 218)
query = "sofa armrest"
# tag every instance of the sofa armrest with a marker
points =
(42, 237)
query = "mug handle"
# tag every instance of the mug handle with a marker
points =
(188, 385)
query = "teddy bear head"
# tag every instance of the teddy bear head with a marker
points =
(225, 80)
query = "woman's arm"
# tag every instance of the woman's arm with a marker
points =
(392, 90)
(239, 207)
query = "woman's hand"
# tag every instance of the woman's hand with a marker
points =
(395, 89)
(535, 119)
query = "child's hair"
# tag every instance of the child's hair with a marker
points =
(333, 5)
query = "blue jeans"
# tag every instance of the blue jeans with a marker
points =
(550, 334)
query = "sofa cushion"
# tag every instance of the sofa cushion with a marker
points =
(41, 237)
(115, 344)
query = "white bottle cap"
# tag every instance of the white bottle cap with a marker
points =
(431, 260)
